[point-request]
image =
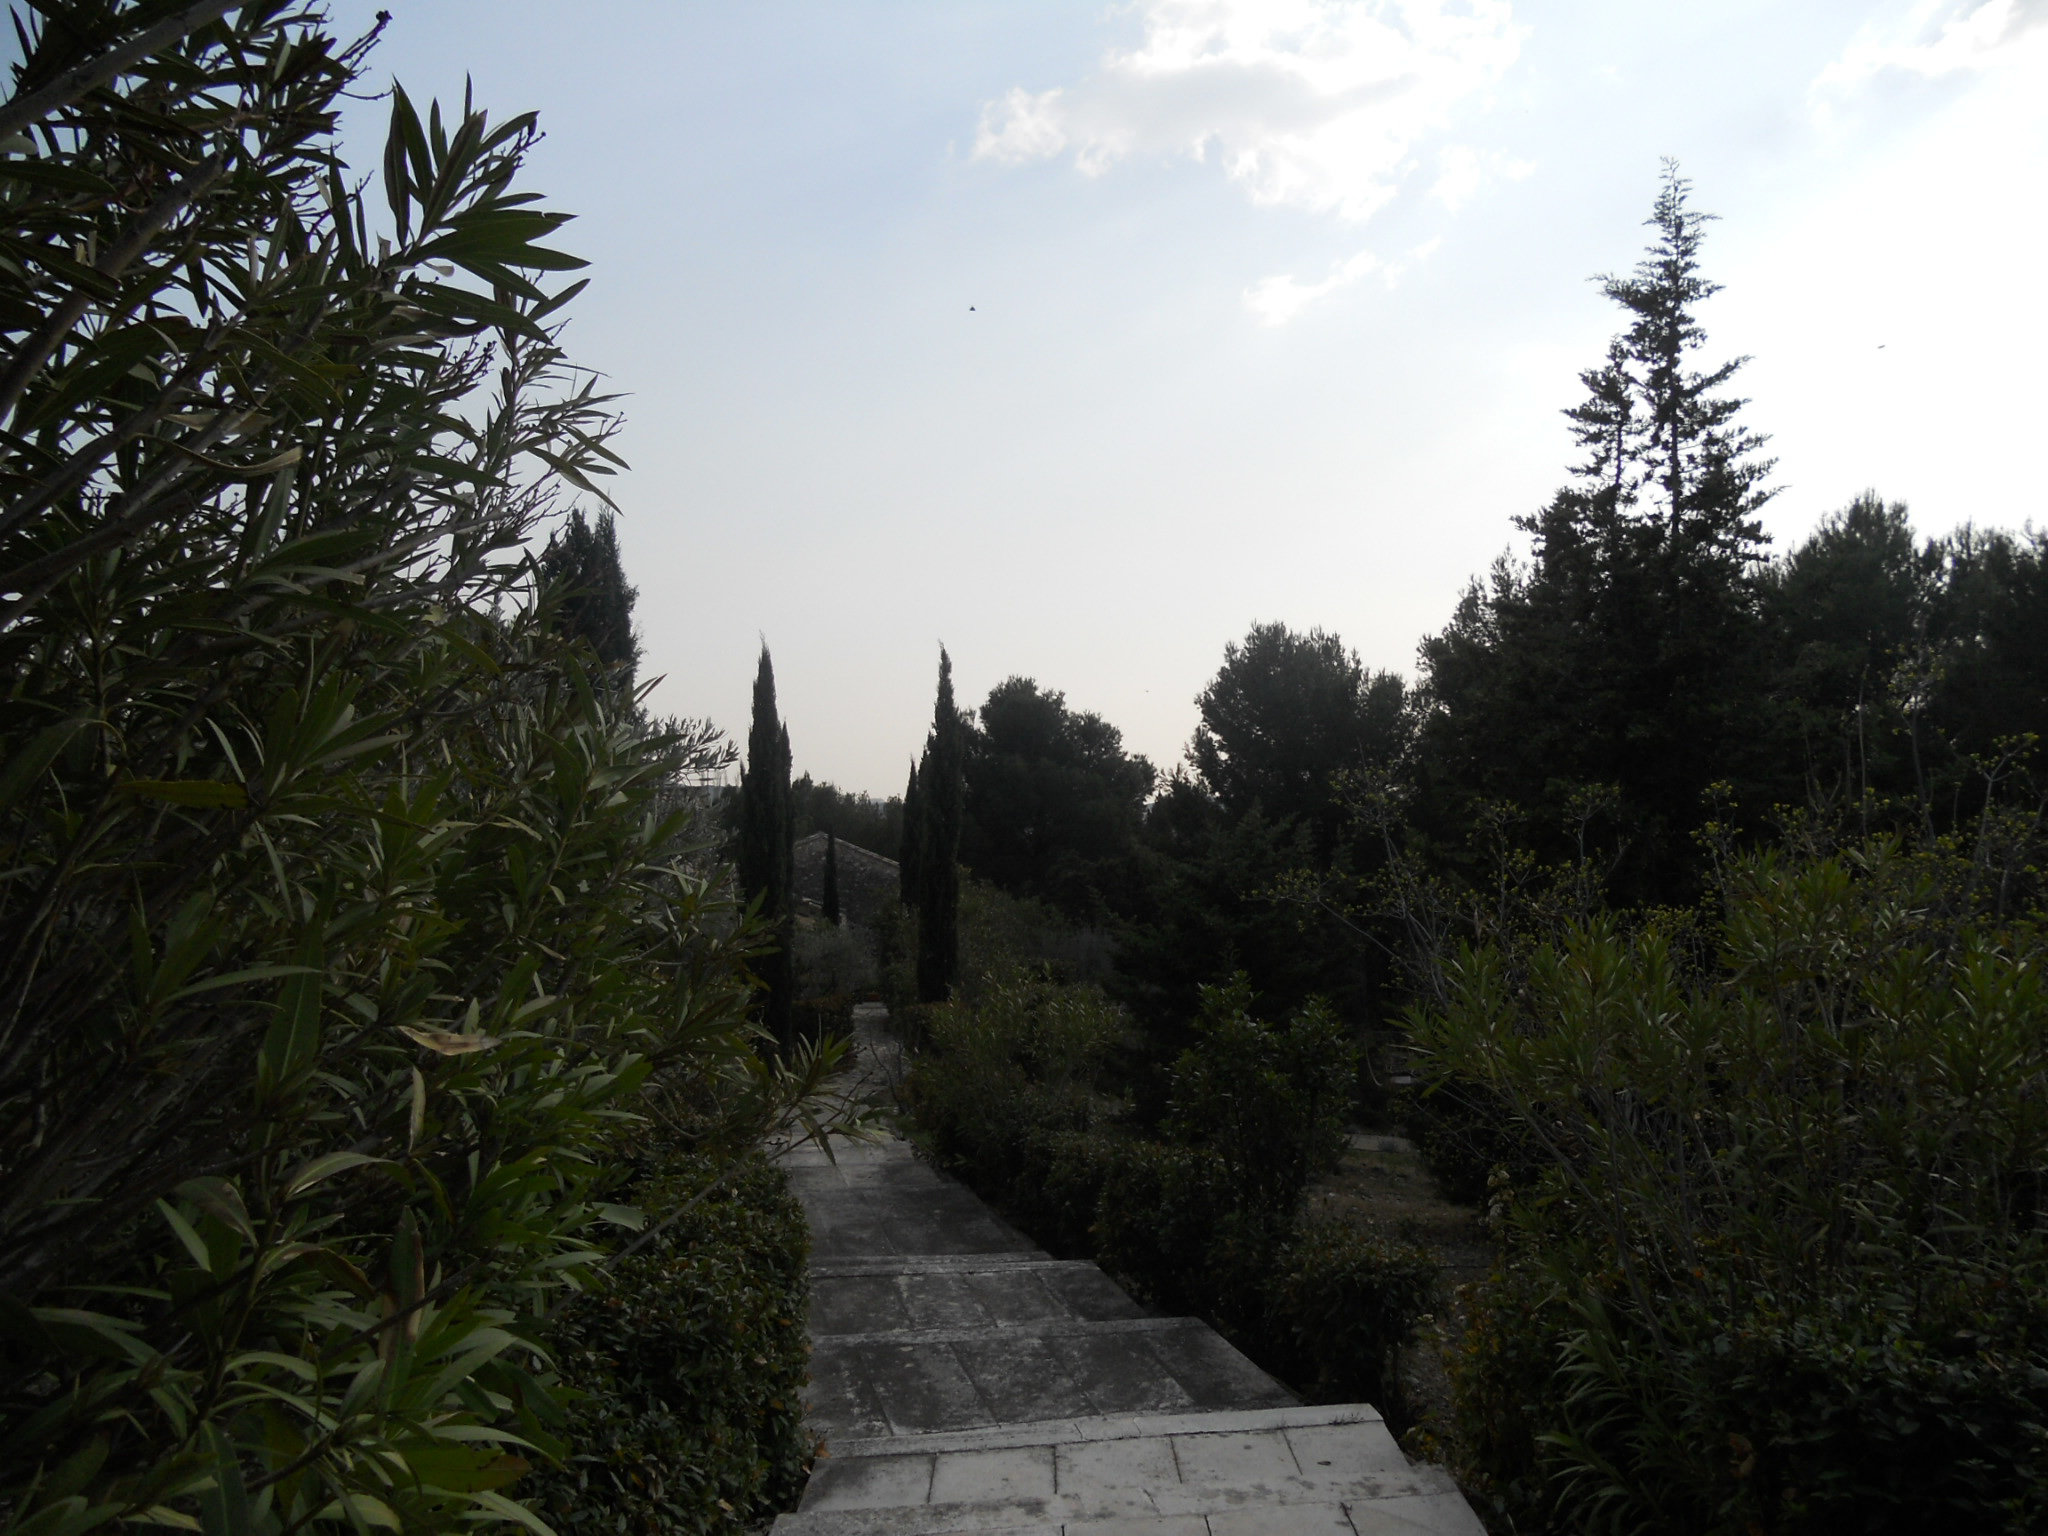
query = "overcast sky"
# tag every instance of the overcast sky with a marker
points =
(1079, 336)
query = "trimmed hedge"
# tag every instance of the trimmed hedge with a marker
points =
(688, 1371)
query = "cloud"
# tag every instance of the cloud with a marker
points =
(1932, 40)
(1309, 104)
(1279, 299)
(1462, 171)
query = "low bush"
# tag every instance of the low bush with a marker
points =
(822, 1018)
(688, 1369)
(835, 960)
(1341, 1301)
(998, 1080)
(1786, 1267)
(1464, 1133)
(1204, 1218)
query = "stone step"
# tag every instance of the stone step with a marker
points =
(965, 1295)
(936, 1380)
(874, 1203)
(939, 1263)
(1116, 1426)
(1286, 1470)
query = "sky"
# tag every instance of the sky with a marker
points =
(1077, 337)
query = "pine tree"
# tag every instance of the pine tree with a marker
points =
(831, 901)
(913, 835)
(582, 569)
(767, 855)
(1629, 652)
(940, 800)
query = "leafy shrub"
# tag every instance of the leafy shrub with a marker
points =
(835, 960)
(1271, 1101)
(820, 1018)
(345, 920)
(1340, 1302)
(1163, 1225)
(1002, 1086)
(1205, 1218)
(1464, 1133)
(691, 1364)
(1785, 1269)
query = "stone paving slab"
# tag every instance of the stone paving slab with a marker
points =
(967, 1382)
(1134, 1426)
(947, 1379)
(940, 1263)
(909, 1296)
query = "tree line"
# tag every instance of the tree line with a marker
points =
(1649, 670)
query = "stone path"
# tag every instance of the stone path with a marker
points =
(966, 1381)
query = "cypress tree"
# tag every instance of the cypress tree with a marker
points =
(913, 833)
(831, 902)
(767, 852)
(940, 801)
(582, 570)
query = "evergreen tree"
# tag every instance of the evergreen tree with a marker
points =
(940, 796)
(907, 890)
(581, 568)
(1054, 803)
(767, 856)
(831, 899)
(1284, 715)
(1631, 652)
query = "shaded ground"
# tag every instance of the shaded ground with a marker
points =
(1383, 1183)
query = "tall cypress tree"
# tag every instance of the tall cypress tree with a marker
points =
(767, 854)
(831, 901)
(913, 835)
(941, 799)
(582, 569)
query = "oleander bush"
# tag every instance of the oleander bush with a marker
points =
(346, 919)
(686, 1371)
(1786, 1266)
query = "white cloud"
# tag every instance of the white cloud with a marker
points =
(1278, 299)
(1311, 104)
(1933, 39)
(1462, 171)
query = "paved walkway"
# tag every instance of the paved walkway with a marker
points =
(966, 1381)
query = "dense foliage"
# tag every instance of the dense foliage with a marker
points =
(1054, 804)
(1201, 1212)
(1763, 1127)
(346, 917)
(1784, 1266)
(690, 1366)
(580, 571)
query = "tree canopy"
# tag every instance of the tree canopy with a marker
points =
(1053, 802)
(581, 571)
(1285, 714)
